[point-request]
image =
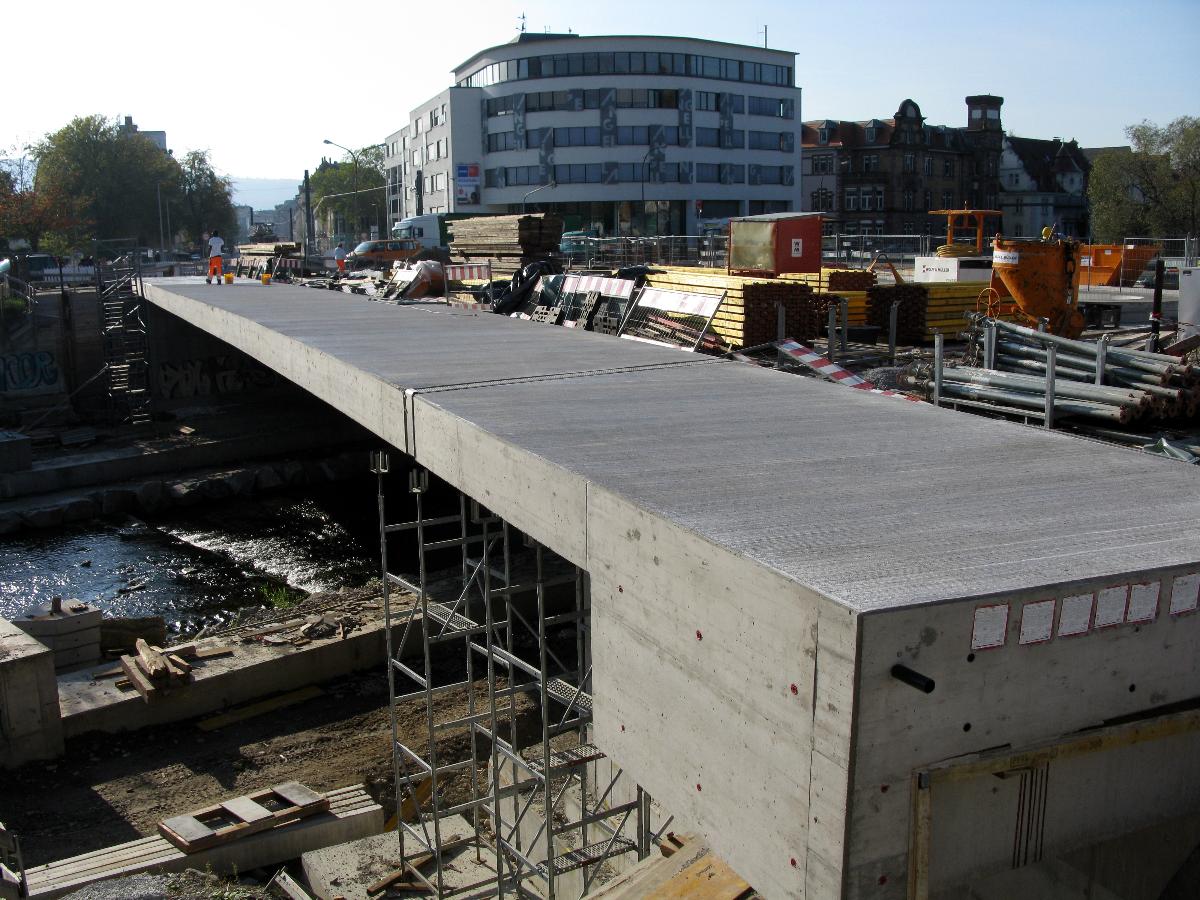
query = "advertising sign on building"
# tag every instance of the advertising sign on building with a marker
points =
(466, 184)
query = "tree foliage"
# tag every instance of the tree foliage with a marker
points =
(1153, 188)
(128, 187)
(206, 198)
(43, 215)
(354, 212)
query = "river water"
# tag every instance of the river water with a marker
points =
(197, 567)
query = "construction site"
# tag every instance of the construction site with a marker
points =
(747, 572)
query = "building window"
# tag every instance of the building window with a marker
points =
(640, 134)
(577, 137)
(708, 173)
(491, 178)
(870, 134)
(910, 162)
(928, 165)
(770, 106)
(821, 201)
(947, 200)
(908, 201)
(850, 201)
(501, 140)
(822, 165)
(772, 140)
(928, 200)
(561, 64)
(868, 199)
(879, 198)
(870, 162)
(577, 173)
(706, 101)
(823, 135)
(947, 167)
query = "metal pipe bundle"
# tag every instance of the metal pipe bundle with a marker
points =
(1143, 384)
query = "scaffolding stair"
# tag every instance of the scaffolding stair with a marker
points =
(124, 341)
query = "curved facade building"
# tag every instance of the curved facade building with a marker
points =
(622, 134)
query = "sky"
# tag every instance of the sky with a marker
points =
(351, 72)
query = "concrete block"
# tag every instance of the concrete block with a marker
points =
(16, 452)
(83, 655)
(42, 621)
(30, 723)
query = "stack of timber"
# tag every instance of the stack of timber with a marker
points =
(151, 671)
(242, 816)
(925, 309)
(748, 316)
(510, 242)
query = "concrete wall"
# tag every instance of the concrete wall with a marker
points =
(29, 719)
(1069, 675)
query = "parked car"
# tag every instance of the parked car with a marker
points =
(381, 254)
(1170, 278)
(577, 241)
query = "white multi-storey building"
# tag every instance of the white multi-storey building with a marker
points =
(621, 134)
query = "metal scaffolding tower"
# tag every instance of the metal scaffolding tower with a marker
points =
(519, 610)
(124, 337)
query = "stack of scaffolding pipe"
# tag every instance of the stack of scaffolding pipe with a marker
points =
(1173, 386)
(1035, 401)
(1115, 396)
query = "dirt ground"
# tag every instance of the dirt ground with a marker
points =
(113, 788)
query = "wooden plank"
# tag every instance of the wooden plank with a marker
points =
(708, 878)
(138, 679)
(284, 882)
(179, 663)
(189, 828)
(151, 660)
(297, 794)
(246, 809)
(255, 709)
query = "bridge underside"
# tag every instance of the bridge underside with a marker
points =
(762, 550)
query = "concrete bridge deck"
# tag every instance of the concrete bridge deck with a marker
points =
(743, 531)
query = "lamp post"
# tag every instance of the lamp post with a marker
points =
(354, 185)
(645, 160)
(540, 187)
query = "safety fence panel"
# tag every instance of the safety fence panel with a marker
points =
(456, 275)
(615, 294)
(672, 318)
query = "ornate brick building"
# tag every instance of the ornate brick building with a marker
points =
(882, 176)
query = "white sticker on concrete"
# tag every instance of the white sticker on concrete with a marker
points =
(1185, 594)
(1143, 602)
(1037, 622)
(1076, 615)
(991, 627)
(1110, 606)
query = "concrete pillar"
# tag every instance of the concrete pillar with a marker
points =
(30, 725)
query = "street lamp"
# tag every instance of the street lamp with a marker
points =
(541, 187)
(354, 187)
(645, 160)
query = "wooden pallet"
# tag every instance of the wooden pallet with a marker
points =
(236, 818)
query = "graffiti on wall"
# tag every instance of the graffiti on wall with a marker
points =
(35, 371)
(211, 376)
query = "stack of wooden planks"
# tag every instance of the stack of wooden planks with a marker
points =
(925, 308)
(748, 316)
(510, 242)
(151, 671)
(241, 816)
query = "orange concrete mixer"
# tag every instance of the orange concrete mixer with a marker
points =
(1042, 276)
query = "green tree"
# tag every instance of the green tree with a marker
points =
(353, 213)
(205, 198)
(40, 214)
(122, 176)
(1153, 188)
